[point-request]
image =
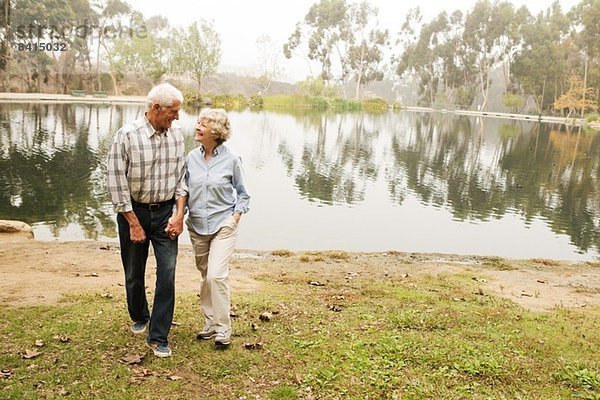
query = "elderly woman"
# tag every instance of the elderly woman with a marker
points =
(217, 199)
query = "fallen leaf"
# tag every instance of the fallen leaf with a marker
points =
(39, 343)
(132, 359)
(62, 339)
(94, 274)
(29, 354)
(253, 346)
(541, 281)
(335, 307)
(63, 392)
(175, 323)
(404, 276)
(107, 296)
(266, 316)
(254, 327)
(174, 378)
(316, 283)
(105, 247)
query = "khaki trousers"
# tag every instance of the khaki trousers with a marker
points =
(212, 253)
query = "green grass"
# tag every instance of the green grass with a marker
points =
(425, 338)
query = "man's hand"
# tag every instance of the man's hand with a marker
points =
(137, 234)
(174, 226)
(237, 216)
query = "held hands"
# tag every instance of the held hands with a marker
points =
(174, 227)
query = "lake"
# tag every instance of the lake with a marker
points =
(404, 181)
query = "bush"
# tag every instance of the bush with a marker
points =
(375, 105)
(592, 117)
(192, 99)
(229, 102)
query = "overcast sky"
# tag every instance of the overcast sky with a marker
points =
(240, 22)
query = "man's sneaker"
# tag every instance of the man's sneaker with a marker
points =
(223, 339)
(207, 333)
(138, 327)
(160, 350)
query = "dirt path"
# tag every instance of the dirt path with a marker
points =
(33, 272)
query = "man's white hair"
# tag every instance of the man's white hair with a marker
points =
(164, 94)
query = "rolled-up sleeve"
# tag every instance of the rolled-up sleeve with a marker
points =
(242, 204)
(116, 173)
(181, 190)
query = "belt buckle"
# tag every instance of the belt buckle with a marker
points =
(153, 206)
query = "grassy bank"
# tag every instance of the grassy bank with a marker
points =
(332, 333)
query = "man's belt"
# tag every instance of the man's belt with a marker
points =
(153, 206)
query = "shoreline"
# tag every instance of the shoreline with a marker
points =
(94, 266)
(12, 97)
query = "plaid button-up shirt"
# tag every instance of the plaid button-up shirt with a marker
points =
(145, 165)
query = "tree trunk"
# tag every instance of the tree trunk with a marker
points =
(584, 84)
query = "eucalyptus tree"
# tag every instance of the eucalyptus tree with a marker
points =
(145, 54)
(364, 57)
(325, 30)
(110, 14)
(50, 24)
(268, 57)
(434, 53)
(196, 51)
(585, 19)
(491, 38)
(541, 63)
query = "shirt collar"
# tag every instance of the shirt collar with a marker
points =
(216, 151)
(150, 129)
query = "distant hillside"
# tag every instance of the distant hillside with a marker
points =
(230, 83)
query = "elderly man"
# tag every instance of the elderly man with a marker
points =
(146, 184)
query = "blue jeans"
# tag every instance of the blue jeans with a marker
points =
(134, 257)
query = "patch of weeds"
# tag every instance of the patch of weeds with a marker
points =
(544, 261)
(338, 255)
(498, 263)
(282, 253)
(579, 377)
(283, 392)
(304, 258)
(594, 264)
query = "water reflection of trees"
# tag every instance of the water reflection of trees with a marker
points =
(335, 171)
(48, 170)
(542, 173)
(557, 175)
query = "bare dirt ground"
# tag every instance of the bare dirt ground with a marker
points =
(34, 272)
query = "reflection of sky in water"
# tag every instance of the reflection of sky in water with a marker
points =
(359, 213)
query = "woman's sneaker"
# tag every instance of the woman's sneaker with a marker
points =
(207, 333)
(223, 339)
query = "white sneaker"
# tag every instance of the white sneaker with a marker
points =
(207, 333)
(223, 339)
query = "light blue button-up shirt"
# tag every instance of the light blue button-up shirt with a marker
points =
(216, 189)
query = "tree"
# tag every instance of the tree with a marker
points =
(268, 62)
(365, 53)
(540, 64)
(491, 37)
(110, 12)
(578, 97)
(196, 50)
(325, 31)
(146, 54)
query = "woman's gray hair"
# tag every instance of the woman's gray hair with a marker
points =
(220, 129)
(164, 94)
